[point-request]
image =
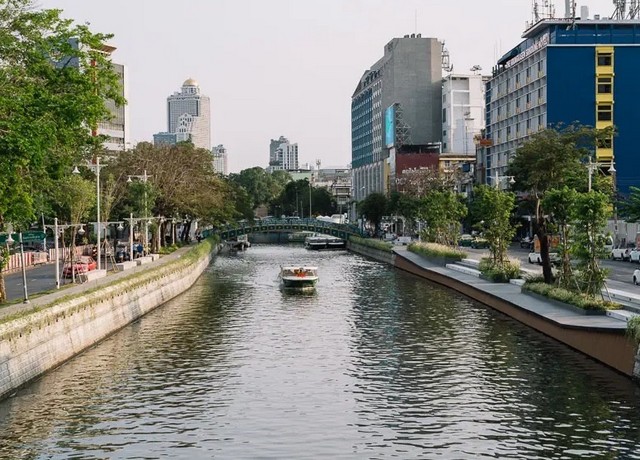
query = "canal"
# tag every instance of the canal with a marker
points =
(376, 364)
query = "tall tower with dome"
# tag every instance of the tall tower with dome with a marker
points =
(189, 116)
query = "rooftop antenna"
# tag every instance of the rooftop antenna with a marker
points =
(621, 9)
(416, 21)
(446, 60)
(634, 9)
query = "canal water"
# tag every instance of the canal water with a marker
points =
(377, 364)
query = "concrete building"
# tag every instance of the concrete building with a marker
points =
(567, 70)
(283, 155)
(396, 102)
(463, 98)
(188, 114)
(116, 128)
(220, 160)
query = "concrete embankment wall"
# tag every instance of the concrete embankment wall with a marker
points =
(610, 347)
(41, 341)
(380, 256)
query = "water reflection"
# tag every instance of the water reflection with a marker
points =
(376, 364)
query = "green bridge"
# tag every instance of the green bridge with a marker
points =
(343, 231)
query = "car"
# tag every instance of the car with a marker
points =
(479, 243)
(536, 258)
(465, 240)
(83, 264)
(636, 277)
(634, 255)
(620, 253)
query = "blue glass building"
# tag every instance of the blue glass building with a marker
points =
(568, 71)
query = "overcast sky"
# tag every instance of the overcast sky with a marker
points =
(284, 67)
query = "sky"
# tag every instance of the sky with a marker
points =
(285, 67)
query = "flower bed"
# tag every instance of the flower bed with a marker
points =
(587, 303)
(437, 251)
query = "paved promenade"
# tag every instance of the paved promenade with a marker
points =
(512, 294)
(38, 301)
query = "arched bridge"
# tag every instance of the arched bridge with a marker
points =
(227, 232)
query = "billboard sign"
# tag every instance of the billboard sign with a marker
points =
(390, 126)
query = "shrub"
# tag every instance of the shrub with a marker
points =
(633, 328)
(583, 301)
(168, 249)
(437, 250)
(510, 269)
(372, 243)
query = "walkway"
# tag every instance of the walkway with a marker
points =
(512, 294)
(37, 302)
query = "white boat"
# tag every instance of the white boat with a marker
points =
(298, 278)
(325, 242)
(240, 243)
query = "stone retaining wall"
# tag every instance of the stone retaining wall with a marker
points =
(368, 251)
(41, 341)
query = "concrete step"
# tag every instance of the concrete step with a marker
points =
(471, 263)
(464, 269)
(623, 315)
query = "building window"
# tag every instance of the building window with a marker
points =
(605, 112)
(605, 59)
(605, 143)
(444, 115)
(605, 85)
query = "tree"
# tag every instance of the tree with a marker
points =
(373, 208)
(560, 203)
(51, 94)
(496, 207)
(443, 212)
(552, 158)
(47, 106)
(630, 208)
(590, 217)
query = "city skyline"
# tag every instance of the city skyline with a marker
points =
(299, 79)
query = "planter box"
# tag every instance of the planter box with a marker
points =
(438, 260)
(567, 306)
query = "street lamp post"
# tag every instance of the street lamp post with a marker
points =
(591, 167)
(512, 179)
(57, 228)
(10, 241)
(144, 178)
(96, 167)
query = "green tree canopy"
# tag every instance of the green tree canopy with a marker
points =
(373, 208)
(54, 82)
(552, 159)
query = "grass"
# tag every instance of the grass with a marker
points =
(437, 250)
(499, 274)
(125, 283)
(572, 298)
(633, 328)
(372, 243)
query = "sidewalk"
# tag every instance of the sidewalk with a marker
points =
(35, 303)
(511, 293)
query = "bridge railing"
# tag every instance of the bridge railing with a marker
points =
(266, 224)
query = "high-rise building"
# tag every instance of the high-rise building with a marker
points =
(220, 164)
(396, 102)
(567, 70)
(188, 114)
(116, 128)
(283, 155)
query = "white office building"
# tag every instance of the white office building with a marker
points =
(220, 164)
(189, 116)
(283, 156)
